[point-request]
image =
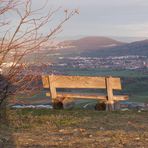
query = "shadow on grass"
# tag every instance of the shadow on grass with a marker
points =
(6, 133)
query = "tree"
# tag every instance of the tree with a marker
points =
(20, 39)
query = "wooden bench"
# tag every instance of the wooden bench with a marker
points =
(52, 82)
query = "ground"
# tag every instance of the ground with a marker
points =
(40, 128)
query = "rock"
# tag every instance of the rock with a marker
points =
(101, 106)
(76, 132)
(101, 128)
(68, 103)
(137, 138)
(57, 105)
(61, 130)
(82, 130)
(124, 109)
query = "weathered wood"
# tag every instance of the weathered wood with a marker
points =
(74, 82)
(115, 83)
(88, 96)
(120, 97)
(79, 96)
(110, 106)
(78, 82)
(53, 92)
(110, 101)
(45, 81)
(109, 83)
(84, 82)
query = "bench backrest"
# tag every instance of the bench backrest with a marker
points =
(80, 82)
(54, 82)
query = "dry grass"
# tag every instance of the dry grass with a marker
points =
(74, 129)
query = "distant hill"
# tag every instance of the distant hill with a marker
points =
(90, 43)
(135, 48)
(93, 46)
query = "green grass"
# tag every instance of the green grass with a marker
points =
(21, 118)
(104, 72)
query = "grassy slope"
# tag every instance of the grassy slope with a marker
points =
(74, 128)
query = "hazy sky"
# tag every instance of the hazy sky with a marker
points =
(127, 18)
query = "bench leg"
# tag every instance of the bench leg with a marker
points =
(110, 106)
(117, 105)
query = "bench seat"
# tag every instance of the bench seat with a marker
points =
(88, 96)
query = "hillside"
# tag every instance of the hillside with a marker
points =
(91, 46)
(135, 48)
(100, 46)
(74, 128)
(90, 43)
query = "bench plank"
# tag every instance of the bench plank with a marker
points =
(120, 98)
(115, 83)
(45, 81)
(78, 82)
(52, 88)
(79, 96)
(88, 96)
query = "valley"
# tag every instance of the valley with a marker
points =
(94, 56)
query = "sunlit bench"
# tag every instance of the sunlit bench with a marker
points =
(52, 82)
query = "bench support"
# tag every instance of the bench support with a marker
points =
(57, 104)
(110, 101)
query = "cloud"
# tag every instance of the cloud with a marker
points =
(102, 17)
(137, 30)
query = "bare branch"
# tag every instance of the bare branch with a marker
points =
(24, 38)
